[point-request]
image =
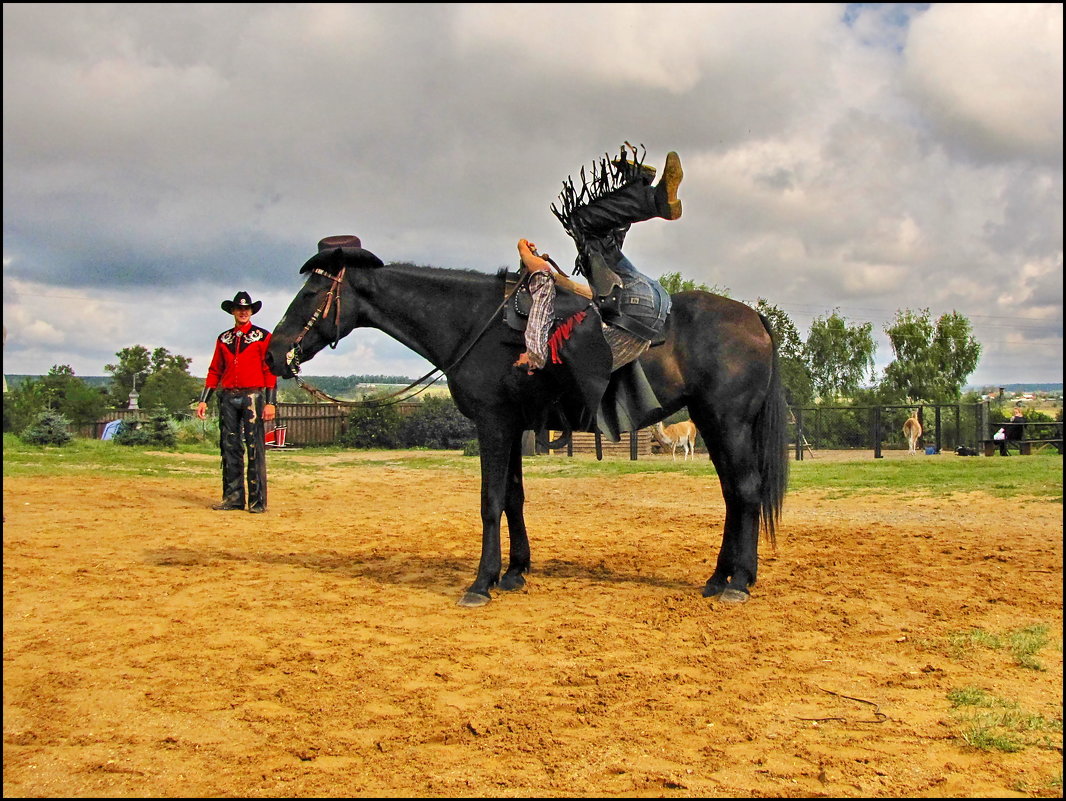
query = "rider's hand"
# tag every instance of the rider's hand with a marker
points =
(201, 410)
(269, 411)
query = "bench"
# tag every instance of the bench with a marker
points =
(1025, 446)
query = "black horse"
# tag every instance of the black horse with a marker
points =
(719, 360)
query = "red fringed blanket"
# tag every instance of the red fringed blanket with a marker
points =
(562, 333)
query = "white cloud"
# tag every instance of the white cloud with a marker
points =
(990, 75)
(869, 157)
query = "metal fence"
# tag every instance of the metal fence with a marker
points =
(880, 428)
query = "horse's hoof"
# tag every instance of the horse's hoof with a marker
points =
(713, 590)
(732, 596)
(472, 600)
(512, 583)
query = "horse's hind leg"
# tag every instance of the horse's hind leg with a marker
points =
(513, 508)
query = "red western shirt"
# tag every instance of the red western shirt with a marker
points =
(240, 360)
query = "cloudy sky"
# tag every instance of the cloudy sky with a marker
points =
(861, 158)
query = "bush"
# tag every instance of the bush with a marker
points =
(437, 424)
(372, 427)
(49, 428)
(131, 432)
(197, 432)
(157, 431)
(472, 448)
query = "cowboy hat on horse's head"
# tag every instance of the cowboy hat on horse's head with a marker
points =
(242, 300)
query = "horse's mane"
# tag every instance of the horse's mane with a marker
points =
(446, 272)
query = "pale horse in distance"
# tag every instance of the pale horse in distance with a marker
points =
(912, 430)
(683, 434)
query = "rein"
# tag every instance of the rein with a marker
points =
(293, 360)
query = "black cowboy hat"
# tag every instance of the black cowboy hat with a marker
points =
(242, 300)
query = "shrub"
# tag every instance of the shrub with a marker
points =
(472, 448)
(197, 432)
(49, 428)
(372, 427)
(131, 432)
(157, 431)
(437, 424)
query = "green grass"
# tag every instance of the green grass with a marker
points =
(1037, 476)
(991, 723)
(1023, 644)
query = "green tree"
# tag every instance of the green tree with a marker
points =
(171, 388)
(161, 378)
(839, 356)
(128, 374)
(23, 404)
(795, 377)
(48, 428)
(674, 283)
(59, 391)
(72, 397)
(933, 360)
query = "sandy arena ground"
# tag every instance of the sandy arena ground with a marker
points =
(153, 647)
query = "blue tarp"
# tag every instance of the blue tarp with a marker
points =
(110, 429)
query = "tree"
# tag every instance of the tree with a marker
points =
(161, 377)
(72, 397)
(128, 374)
(59, 391)
(795, 377)
(933, 360)
(171, 388)
(674, 283)
(23, 404)
(839, 356)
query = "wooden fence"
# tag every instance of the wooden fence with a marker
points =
(305, 423)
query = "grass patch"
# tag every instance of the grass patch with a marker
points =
(1048, 788)
(1023, 644)
(991, 723)
(1032, 476)
(1038, 476)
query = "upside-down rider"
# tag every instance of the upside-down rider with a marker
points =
(633, 307)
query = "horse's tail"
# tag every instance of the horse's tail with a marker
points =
(771, 445)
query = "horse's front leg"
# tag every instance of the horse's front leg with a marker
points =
(514, 504)
(495, 446)
(738, 560)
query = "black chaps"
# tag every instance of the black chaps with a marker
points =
(240, 422)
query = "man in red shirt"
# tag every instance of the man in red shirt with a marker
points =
(247, 394)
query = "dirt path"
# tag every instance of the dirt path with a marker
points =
(155, 648)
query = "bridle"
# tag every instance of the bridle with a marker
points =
(322, 310)
(292, 358)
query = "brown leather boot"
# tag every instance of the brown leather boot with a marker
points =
(666, 202)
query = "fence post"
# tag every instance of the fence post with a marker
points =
(599, 448)
(958, 424)
(938, 428)
(877, 432)
(633, 445)
(799, 434)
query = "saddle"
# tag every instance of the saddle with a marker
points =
(594, 398)
(516, 313)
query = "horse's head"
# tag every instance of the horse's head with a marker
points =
(324, 310)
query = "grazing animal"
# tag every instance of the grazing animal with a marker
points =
(912, 431)
(718, 360)
(683, 434)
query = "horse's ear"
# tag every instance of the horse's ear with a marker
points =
(332, 259)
